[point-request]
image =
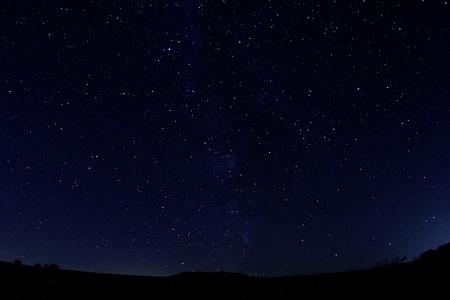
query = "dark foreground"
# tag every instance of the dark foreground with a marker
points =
(399, 282)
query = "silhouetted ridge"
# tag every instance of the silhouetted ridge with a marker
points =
(436, 258)
(425, 278)
(217, 275)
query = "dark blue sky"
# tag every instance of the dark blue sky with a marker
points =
(270, 138)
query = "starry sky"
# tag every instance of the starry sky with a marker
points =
(268, 138)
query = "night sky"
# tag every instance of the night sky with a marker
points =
(268, 138)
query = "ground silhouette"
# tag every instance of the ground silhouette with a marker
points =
(426, 277)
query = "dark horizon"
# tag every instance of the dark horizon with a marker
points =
(268, 139)
(425, 277)
(436, 260)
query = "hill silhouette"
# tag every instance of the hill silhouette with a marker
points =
(425, 278)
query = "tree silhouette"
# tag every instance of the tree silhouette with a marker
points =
(437, 258)
(394, 262)
(18, 262)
